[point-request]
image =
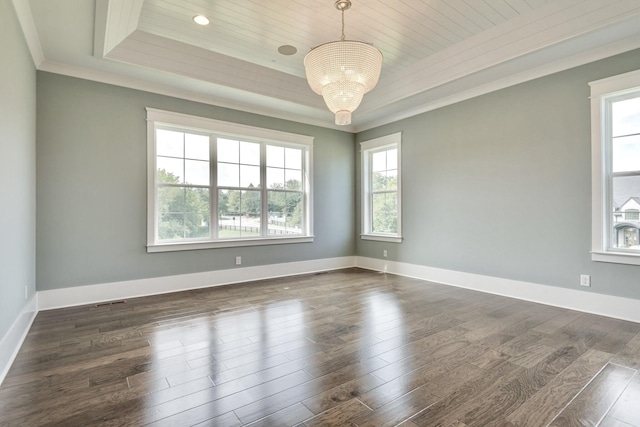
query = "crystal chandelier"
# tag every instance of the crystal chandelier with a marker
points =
(343, 71)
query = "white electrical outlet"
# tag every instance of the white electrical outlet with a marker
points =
(384, 253)
(585, 280)
(238, 260)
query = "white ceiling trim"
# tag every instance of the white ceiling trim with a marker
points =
(159, 53)
(25, 18)
(502, 83)
(119, 18)
(290, 112)
(543, 28)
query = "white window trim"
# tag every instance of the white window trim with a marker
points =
(601, 91)
(188, 122)
(395, 140)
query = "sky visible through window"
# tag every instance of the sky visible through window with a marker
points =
(626, 135)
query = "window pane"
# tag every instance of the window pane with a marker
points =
(171, 200)
(170, 170)
(250, 176)
(392, 180)
(169, 143)
(275, 178)
(378, 181)
(196, 147)
(626, 117)
(384, 213)
(294, 213)
(392, 159)
(249, 153)
(293, 158)
(197, 212)
(626, 153)
(626, 207)
(228, 151)
(228, 175)
(171, 226)
(293, 179)
(196, 172)
(285, 213)
(275, 156)
(184, 213)
(379, 161)
(228, 214)
(239, 213)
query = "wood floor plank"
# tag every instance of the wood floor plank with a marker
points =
(347, 347)
(340, 415)
(627, 407)
(593, 403)
(398, 410)
(543, 406)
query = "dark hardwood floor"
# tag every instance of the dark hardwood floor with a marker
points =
(345, 348)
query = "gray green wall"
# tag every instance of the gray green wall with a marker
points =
(91, 198)
(17, 168)
(500, 185)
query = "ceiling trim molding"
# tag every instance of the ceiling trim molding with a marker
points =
(115, 20)
(175, 57)
(511, 80)
(25, 18)
(306, 116)
(544, 28)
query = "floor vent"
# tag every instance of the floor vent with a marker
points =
(102, 304)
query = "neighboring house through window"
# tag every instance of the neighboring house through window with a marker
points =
(218, 184)
(381, 189)
(615, 116)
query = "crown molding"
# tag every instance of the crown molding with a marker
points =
(25, 18)
(289, 112)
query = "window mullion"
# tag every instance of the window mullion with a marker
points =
(264, 206)
(213, 188)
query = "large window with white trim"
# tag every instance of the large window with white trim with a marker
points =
(616, 168)
(217, 184)
(381, 189)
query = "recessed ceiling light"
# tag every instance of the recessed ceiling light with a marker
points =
(286, 49)
(201, 20)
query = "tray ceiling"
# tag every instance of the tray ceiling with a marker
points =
(435, 51)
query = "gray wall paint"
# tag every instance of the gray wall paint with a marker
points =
(91, 198)
(500, 185)
(17, 168)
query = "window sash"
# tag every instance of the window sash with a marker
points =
(604, 93)
(264, 137)
(369, 149)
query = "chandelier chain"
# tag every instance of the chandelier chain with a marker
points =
(342, 38)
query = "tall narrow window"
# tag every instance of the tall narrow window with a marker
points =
(216, 184)
(616, 168)
(381, 201)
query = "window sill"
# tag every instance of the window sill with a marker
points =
(616, 257)
(190, 246)
(381, 238)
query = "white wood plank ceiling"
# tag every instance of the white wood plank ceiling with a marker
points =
(435, 51)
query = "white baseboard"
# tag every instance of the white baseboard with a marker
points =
(91, 294)
(13, 339)
(589, 302)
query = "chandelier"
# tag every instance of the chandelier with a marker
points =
(343, 71)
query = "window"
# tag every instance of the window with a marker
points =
(632, 215)
(217, 184)
(381, 189)
(615, 116)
